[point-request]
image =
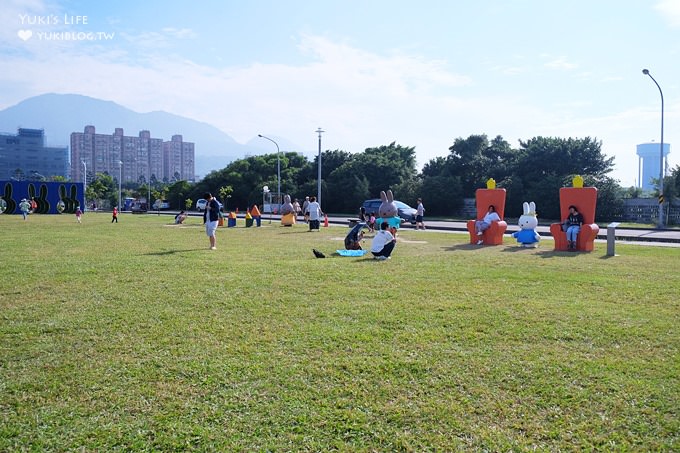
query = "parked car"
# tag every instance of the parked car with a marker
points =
(406, 212)
(201, 202)
(138, 207)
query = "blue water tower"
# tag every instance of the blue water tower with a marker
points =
(648, 163)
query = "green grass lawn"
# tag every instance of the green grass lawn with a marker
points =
(135, 336)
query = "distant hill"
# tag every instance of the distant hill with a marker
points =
(61, 114)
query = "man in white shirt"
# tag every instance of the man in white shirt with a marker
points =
(314, 210)
(383, 243)
(420, 212)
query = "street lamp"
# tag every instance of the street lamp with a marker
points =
(661, 169)
(318, 179)
(120, 184)
(148, 185)
(278, 169)
(265, 192)
(84, 184)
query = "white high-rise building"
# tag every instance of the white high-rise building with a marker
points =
(143, 158)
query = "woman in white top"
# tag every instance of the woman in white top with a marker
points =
(314, 213)
(485, 223)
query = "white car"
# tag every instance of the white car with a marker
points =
(201, 202)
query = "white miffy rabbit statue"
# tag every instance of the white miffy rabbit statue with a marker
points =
(527, 235)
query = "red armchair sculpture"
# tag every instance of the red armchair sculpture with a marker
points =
(585, 199)
(484, 198)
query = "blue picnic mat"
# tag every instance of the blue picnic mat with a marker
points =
(351, 252)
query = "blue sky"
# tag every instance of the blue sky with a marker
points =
(368, 72)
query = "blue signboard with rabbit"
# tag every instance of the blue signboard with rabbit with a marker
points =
(46, 197)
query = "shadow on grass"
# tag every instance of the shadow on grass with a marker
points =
(462, 247)
(172, 252)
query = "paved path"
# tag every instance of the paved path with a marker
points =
(638, 235)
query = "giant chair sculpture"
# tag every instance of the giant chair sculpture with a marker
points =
(484, 198)
(585, 200)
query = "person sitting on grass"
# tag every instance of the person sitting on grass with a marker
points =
(383, 242)
(354, 237)
(179, 218)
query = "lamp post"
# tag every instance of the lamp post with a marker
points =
(278, 170)
(661, 169)
(120, 184)
(84, 184)
(148, 185)
(318, 179)
(265, 192)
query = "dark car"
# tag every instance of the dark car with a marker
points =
(406, 212)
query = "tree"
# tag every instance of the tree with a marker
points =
(177, 193)
(544, 164)
(225, 194)
(349, 188)
(385, 167)
(103, 187)
(442, 194)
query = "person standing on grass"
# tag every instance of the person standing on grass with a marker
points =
(211, 215)
(420, 212)
(24, 206)
(114, 214)
(305, 209)
(79, 214)
(315, 213)
(383, 242)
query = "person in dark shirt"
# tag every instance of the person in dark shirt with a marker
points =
(211, 216)
(573, 225)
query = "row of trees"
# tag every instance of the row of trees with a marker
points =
(533, 172)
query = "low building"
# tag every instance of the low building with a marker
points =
(24, 156)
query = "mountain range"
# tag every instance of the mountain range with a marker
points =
(61, 114)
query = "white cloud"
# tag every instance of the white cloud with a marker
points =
(560, 63)
(362, 99)
(670, 9)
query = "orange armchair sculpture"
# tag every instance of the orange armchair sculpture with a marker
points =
(484, 198)
(585, 199)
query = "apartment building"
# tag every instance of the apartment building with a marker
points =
(135, 160)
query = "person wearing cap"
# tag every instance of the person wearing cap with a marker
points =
(24, 206)
(305, 210)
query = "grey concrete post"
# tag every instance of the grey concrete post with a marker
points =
(611, 238)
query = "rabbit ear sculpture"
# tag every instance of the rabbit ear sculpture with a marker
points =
(287, 212)
(388, 212)
(527, 235)
(287, 206)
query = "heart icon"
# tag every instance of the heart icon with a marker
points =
(25, 34)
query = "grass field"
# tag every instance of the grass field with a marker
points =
(135, 336)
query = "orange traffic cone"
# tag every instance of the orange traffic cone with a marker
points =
(325, 220)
